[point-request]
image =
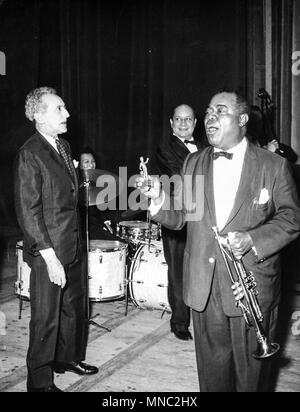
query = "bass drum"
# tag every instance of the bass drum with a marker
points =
(148, 278)
(107, 270)
(22, 288)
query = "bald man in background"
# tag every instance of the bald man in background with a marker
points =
(170, 156)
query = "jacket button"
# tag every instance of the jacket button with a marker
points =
(211, 260)
(72, 190)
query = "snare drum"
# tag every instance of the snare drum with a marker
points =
(148, 278)
(138, 231)
(107, 270)
(22, 288)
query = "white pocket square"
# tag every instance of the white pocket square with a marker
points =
(263, 197)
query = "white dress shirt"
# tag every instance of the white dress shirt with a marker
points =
(226, 179)
(191, 147)
(50, 140)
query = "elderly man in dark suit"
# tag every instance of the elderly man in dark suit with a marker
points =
(250, 196)
(170, 156)
(46, 196)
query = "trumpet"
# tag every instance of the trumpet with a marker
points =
(248, 304)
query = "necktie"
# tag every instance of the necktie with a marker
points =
(65, 155)
(189, 141)
(216, 155)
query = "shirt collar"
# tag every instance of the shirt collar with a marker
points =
(238, 150)
(50, 139)
(183, 138)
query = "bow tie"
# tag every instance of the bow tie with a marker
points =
(216, 155)
(189, 141)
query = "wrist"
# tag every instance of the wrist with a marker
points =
(48, 254)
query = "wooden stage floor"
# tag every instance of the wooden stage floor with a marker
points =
(139, 354)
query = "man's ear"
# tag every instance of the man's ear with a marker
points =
(171, 123)
(243, 119)
(38, 117)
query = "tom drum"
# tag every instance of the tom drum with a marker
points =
(107, 270)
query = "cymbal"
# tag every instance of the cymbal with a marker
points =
(97, 198)
(101, 181)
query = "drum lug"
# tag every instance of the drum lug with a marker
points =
(100, 259)
(139, 259)
(164, 263)
(140, 282)
(18, 287)
(161, 285)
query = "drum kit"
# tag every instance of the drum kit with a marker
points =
(131, 267)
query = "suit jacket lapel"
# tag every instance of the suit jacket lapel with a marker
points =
(209, 185)
(179, 147)
(58, 159)
(249, 172)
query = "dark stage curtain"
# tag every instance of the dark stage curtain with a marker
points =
(120, 66)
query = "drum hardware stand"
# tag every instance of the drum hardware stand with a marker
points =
(144, 173)
(126, 290)
(165, 308)
(127, 281)
(86, 185)
(18, 286)
(20, 301)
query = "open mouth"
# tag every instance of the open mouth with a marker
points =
(211, 130)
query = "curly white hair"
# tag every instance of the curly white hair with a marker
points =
(33, 103)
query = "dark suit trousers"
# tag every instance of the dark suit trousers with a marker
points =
(224, 347)
(58, 326)
(174, 244)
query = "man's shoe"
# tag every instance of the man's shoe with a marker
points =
(80, 368)
(51, 388)
(182, 334)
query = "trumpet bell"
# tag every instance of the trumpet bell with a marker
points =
(265, 349)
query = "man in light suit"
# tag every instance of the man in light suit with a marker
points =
(46, 196)
(170, 156)
(249, 194)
